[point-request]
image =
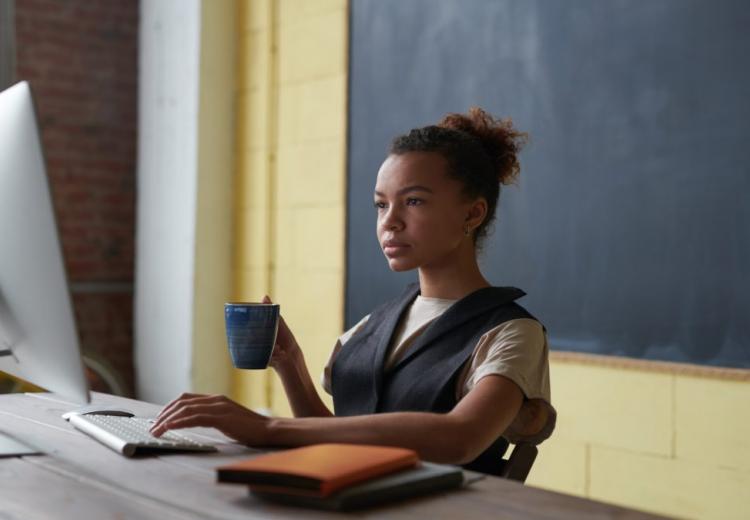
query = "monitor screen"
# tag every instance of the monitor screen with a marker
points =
(38, 337)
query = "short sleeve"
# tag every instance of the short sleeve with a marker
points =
(325, 377)
(517, 350)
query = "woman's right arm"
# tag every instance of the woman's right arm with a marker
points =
(289, 363)
(299, 388)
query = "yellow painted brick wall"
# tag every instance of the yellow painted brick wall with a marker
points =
(663, 442)
(310, 216)
(291, 178)
(253, 196)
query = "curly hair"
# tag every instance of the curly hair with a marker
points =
(481, 151)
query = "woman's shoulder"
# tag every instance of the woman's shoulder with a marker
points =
(517, 345)
(527, 326)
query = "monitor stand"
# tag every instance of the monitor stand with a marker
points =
(10, 446)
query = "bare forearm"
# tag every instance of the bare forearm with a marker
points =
(300, 390)
(415, 430)
(456, 437)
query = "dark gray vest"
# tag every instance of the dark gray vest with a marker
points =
(424, 380)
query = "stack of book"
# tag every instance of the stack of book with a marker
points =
(339, 476)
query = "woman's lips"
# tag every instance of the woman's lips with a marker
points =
(394, 248)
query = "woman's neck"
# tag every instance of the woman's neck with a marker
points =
(452, 280)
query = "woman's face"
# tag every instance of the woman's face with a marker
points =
(422, 212)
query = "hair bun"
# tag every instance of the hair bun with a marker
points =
(499, 139)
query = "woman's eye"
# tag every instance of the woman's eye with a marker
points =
(379, 205)
(413, 202)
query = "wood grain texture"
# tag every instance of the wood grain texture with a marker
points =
(81, 478)
(29, 490)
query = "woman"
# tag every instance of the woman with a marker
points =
(453, 368)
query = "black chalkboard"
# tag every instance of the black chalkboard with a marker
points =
(630, 228)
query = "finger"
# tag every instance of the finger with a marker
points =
(266, 299)
(161, 424)
(218, 408)
(183, 396)
(173, 404)
(283, 325)
(225, 417)
(184, 401)
(182, 408)
(211, 405)
(202, 419)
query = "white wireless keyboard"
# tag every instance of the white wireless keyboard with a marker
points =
(130, 435)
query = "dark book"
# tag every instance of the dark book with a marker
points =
(423, 479)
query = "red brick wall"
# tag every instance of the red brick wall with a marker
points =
(80, 57)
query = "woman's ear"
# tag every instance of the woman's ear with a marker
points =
(477, 213)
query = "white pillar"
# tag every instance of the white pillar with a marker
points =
(175, 220)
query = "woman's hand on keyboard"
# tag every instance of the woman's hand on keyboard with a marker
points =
(214, 411)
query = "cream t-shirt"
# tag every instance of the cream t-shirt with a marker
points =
(516, 349)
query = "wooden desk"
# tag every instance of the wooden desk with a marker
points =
(80, 478)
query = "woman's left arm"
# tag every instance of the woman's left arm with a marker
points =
(456, 437)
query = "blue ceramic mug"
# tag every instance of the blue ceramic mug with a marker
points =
(251, 333)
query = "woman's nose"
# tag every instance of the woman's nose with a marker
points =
(392, 220)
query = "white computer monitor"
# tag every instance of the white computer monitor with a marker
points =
(38, 337)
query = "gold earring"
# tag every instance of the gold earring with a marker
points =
(467, 230)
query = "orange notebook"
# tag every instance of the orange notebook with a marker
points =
(317, 470)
